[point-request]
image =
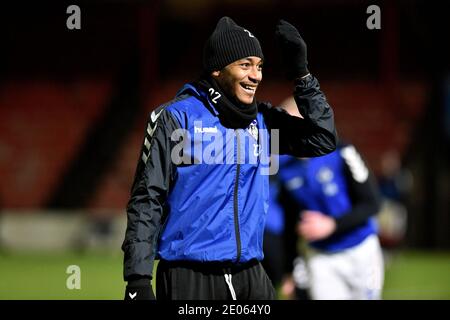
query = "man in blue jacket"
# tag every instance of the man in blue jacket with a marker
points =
(336, 200)
(200, 194)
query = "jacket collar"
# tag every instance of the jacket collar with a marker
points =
(189, 88)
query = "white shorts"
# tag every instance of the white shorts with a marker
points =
(353, 274)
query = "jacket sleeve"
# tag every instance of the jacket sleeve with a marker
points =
(146, 206)
(315, 134)
(362, 189)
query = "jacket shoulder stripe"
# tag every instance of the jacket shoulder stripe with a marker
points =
(354, 161)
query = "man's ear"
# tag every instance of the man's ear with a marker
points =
(215, 74)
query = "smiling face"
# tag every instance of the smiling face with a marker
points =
(240, 79)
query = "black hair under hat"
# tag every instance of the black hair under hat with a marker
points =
(228, 43)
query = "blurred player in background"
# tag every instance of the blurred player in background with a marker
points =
(281, 250)
(273, 246)
(337, 200)
(205, 221)
(395, 184)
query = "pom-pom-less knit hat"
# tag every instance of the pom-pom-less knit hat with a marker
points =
(228, 43)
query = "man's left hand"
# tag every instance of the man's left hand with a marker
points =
(293, 49)
(315, 225)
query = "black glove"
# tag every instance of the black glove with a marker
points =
(293, 50)
(140, 289)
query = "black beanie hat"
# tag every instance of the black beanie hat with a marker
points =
(228, 43)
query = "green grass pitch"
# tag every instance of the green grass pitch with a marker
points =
(409, 275)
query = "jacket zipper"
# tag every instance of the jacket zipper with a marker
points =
(236, 208)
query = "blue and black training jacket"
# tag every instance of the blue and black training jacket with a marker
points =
(201, 190)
